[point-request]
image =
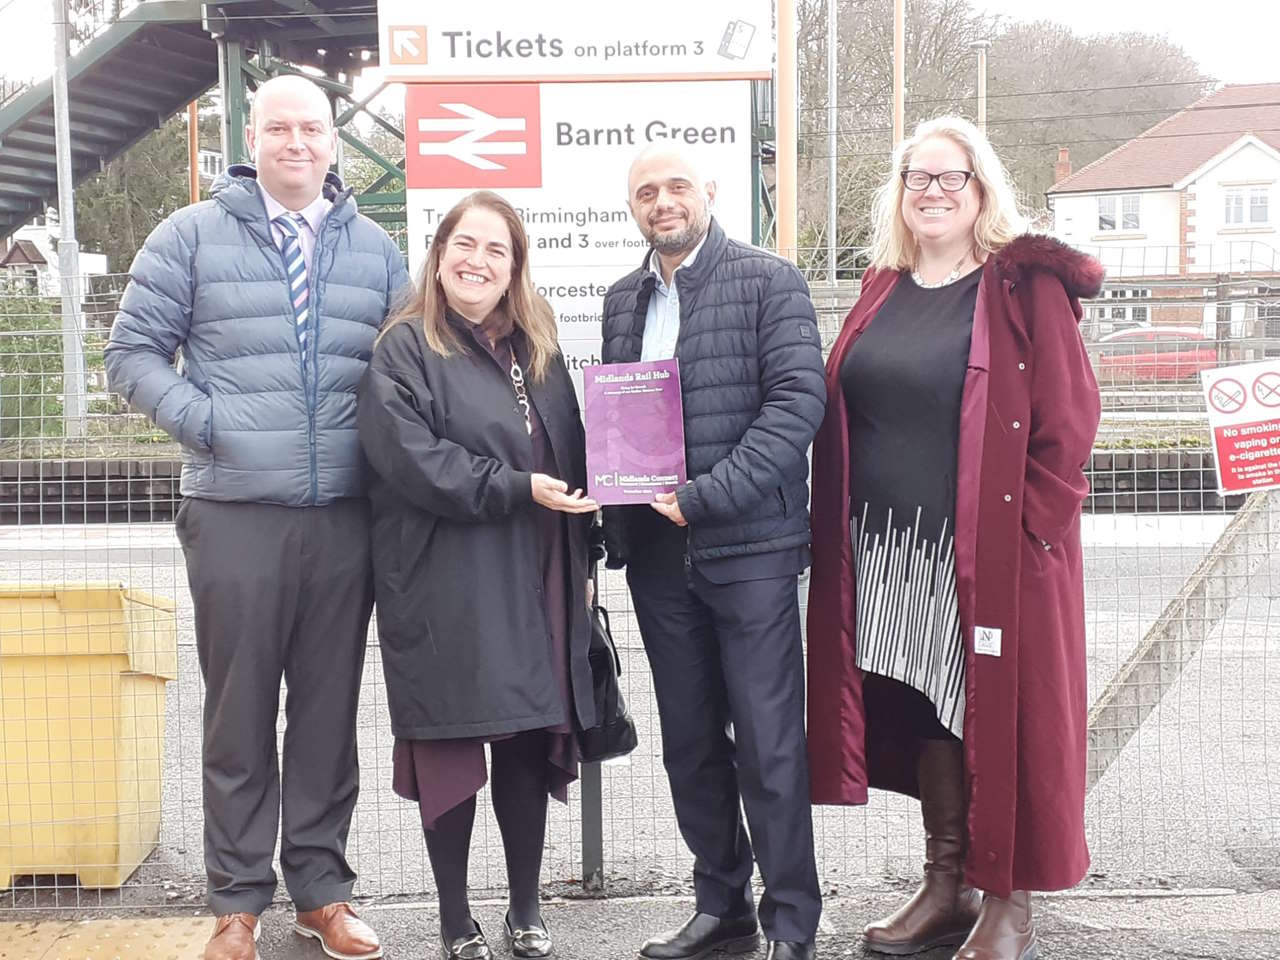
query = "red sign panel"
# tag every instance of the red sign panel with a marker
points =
(1248, 455)
(473, 135)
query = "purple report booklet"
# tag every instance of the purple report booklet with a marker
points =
(635, 430)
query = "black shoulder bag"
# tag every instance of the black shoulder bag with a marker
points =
(614, 734)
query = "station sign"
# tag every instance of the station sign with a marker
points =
(574, 41)
(560, 154)
(1243, 403)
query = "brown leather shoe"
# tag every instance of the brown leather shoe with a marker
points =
(944, 908)
(233, 938)
(342, 934)
(1004, 930)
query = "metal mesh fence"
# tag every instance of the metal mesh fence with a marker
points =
(100, 691)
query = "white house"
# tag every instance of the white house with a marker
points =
(1196, 196)
(32, 258)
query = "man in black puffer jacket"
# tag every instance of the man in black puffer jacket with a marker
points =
(713, 567)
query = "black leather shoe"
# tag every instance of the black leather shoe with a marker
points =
(702, 934)
(471, 947)
(527, 942)
(790, 950)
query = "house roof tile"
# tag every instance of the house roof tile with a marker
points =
(23, 252)
(1179, 144)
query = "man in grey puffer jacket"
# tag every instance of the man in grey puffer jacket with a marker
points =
(274, 291)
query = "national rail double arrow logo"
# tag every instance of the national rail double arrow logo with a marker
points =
(473, 135)
(472, 146)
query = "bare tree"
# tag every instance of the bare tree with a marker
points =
(1046, 88)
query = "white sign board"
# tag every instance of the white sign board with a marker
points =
(575, 40)
(1243, 403)
(559, 153)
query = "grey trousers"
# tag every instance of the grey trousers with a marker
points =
(278, 592)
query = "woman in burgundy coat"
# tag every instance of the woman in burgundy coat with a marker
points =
(946, 608)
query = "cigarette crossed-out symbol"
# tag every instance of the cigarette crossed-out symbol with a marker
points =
(1266, 389)
(1227, 395)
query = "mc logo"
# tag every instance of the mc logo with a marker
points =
(604, 479)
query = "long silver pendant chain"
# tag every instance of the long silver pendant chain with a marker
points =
(522, 396)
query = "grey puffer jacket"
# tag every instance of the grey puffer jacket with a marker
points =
(211, 281)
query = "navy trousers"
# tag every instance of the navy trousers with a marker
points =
(728, 670)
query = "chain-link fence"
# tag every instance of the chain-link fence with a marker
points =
(100, 692)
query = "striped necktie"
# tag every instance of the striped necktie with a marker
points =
(295, 265)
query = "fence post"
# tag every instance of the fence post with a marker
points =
(592, 829)
(74, 387)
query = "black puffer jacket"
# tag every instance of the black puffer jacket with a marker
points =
(754, 395)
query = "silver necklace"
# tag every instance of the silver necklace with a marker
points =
(951, 277)
(517, 385)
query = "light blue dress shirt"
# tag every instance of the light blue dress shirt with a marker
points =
(662, 320)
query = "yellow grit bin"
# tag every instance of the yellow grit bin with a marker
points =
(82, 685)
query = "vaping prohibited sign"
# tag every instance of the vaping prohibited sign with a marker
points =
(1244, 414)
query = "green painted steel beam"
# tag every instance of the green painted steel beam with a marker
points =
(387, 198)
(371, 153)
(386, 178)
(235, 104)
(39, 96)
(317, 16)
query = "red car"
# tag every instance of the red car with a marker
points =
(1153, 354)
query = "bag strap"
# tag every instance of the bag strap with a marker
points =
(603, 614)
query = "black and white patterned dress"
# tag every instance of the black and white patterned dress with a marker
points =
(902, 382)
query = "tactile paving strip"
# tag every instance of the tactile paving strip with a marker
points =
(29, 941)
(169, 938)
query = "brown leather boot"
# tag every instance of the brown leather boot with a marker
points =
(944, 908)
(233, 938)
(1004, 930)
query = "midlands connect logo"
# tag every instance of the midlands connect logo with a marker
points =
(473, 135)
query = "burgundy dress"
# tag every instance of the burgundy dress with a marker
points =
(440, 774)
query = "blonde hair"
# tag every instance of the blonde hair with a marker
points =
(893, 247)
(522, 307)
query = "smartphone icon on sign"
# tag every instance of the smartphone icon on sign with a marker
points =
(737, 39)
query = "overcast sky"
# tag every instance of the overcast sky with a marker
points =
(1235, 41)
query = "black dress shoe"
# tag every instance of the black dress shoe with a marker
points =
(528, 942)
(791, 950)
(471, 947)
(703, 933)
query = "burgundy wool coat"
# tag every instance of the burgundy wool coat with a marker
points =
(1029, 414)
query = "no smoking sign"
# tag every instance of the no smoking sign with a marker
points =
(1227, 395)
(1246, 425)
(1266, 388)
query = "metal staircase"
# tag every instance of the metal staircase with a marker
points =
(122, 84)
(150, 61)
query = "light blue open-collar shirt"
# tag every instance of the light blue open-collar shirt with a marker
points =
(662, 319)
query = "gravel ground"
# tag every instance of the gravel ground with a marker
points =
(1217, 925)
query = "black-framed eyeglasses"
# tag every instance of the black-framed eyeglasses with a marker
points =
(952, 181)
